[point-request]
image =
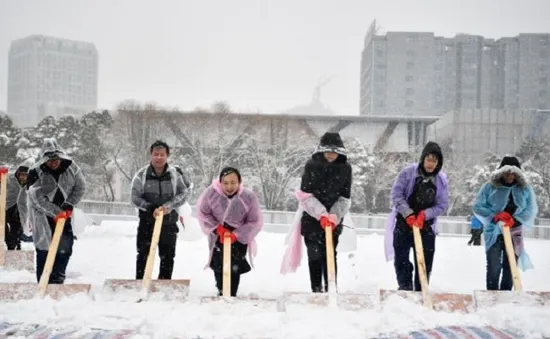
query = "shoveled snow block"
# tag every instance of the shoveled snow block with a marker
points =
(35, 331)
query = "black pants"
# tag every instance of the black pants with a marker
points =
(239, 265)
(317, 259)
(476, 237)
(64, 252)
(403, 241)
(497, 261)
(13, 228)
(166, 248)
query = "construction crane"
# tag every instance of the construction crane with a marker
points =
(317, 90)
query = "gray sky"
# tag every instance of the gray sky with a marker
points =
(263, 55)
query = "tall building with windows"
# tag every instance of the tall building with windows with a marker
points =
(418, 73)
(51, 76)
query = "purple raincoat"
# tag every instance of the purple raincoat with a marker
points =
(401, 191)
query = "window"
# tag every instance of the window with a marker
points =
(410, 65)
(410, 53)
(409, 104)
(409, 78)
(410, 91)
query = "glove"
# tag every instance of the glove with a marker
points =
(62, 215)
(411, 220)
(221, 231)
(509, 223)
(420, 218)
(502, 216)
(3, 170)
(325, 222)
(333, 218)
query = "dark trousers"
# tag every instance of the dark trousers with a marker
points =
(239, 265)
(403, 241)
(166, 248)
(13, 228)
(317, 259)
(497, 262)
(64, 252)
(476, 237)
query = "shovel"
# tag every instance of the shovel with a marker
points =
(253, 300)
(18, 291)
(518, 296)
(347, 301)
(171, 289)
(14, 259)
(436, 301)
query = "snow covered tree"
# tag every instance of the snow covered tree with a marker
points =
(9, 135)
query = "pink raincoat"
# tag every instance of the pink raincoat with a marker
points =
(293, 254)
(241, 212)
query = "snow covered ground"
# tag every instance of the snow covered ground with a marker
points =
(108, 251)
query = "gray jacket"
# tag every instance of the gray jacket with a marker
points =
(17, 194)
(42, 189)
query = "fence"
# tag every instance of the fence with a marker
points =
(364, 223)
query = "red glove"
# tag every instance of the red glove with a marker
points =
(420, 218)
(221, 231)
(325, 222)
(3, 170)
(502, 216)
(411, 220)
(509, 223)
(62, 215)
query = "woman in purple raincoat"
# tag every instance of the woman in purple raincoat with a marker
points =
(419, 196)
(227, 206)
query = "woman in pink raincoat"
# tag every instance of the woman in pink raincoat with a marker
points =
(227, 206)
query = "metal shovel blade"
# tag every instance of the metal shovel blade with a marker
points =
(20, 260)
(346, 301)
(250, 299)
(166, 290)
(26, 291)
(484, 298)
(446, 302)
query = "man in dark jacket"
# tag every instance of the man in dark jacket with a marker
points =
(55, 185)
(154, 187)
(327, 177)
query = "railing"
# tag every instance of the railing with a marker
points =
(364, 223)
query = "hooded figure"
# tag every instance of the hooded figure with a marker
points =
(476, 231)
(55, 184)
(324, 199)
(507, 200)
(16, 205)
(227, 206)
(419, 195)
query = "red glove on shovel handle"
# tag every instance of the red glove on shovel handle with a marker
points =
(326, 221)
(221, 231)
(3, 170)
(63, 215)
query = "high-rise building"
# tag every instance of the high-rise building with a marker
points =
(418, 73)
(51, 76)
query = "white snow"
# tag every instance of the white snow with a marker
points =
(108, 251)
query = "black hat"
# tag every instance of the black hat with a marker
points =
(510, 161)
(432, 148)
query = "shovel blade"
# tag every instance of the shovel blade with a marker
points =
(26, 291)
(446, 302)
(251, 300)
(165, 290)
(346, 301)
(485, 298)
(20, 260)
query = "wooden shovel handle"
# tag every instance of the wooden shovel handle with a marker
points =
(50, 259)
(147, 276)
(419, 249)
(226, 282)
(509, 246)
(331, 261)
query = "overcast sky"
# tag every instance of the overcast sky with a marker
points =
(263, 55)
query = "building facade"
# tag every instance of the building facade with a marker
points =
(418, 73)
(51, 76)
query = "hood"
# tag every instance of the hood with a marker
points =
(432, 148)
(50, 148)
(24, 167)
(331, 142)
(509, 165)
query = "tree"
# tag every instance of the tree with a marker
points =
(9, 135)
